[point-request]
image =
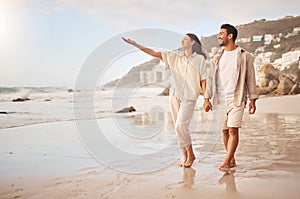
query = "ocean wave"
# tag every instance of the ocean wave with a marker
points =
(9, 89)
(32, 89)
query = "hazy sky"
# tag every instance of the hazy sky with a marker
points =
(45, 43)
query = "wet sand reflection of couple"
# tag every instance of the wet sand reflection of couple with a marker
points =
(228, 179)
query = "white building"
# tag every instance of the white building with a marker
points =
(160, 73)
(260, 49)
(276, 46)
(278, 64)
(257, 38)
(290, 57)
(244, 40)
(297, 29)
(268, 38)
(265, 57)
(291, 34)
(213, 52)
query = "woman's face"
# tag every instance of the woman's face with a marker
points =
(187, 43)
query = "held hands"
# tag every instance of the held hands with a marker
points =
(207, 105)
(252, 107)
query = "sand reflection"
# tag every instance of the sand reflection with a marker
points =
(188, 177)
(229, 180)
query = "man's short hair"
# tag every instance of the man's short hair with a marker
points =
(230, 30)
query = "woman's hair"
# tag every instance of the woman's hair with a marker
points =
(197, 47)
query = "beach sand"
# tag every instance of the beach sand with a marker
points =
(49, 161)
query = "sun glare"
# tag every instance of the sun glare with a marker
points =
(8, 21)
(4, 26)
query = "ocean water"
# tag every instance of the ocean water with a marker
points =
(52, 104)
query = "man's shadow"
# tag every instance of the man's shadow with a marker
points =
(188, 177)
(229, 180)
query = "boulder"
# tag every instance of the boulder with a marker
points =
(266, 74)
(126, 110)
(273, 84)
(285, 85)
(295, 89)
(298, 76)
(20, 99)
(165, 92)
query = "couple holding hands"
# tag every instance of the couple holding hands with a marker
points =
(229, 82)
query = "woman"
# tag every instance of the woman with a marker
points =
(189, 73)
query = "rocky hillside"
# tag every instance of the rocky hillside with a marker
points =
(258, 27)
(262, 27)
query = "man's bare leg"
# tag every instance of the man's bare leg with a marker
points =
(190, 156)
(232, 144)
(225, 140)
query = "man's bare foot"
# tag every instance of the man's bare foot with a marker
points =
(190, 160)
(232, 163)
(224, 168)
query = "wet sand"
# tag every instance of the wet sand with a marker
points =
(48, 161)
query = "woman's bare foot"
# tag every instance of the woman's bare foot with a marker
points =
(183, 163)
(184, 153)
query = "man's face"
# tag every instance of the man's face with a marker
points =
(223, 37)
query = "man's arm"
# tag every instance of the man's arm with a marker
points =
(209, 80)
(144, 49)
(251, 84)
(252, 106)
(206, 105)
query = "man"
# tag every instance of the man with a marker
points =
(230, 81)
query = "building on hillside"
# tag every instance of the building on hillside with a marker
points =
(268, 38)
(277, 46)
(158, 74)
(287, 59)
(244, 40)
(296, 29)
(278, 64)
(260, 49)
(257, 38)
(291, 34)
(290, 57)
(264, 58)
(213, 52)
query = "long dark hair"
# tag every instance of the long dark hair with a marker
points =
(197, 47)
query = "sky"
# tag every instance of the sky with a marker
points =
(46, 43)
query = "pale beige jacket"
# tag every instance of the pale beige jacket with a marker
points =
(246, 84)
